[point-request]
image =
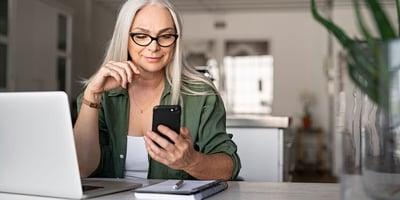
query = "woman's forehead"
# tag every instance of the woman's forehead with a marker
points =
(153, 18)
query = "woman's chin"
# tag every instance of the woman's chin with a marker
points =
(152, 68)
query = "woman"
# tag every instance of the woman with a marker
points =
(143, 68)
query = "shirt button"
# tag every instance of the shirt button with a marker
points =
(121, 156)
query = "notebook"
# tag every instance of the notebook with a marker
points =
(37, 149)
(191, 189)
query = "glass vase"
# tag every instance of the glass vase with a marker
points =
(371, 134)
(350, 126)
(381, 155)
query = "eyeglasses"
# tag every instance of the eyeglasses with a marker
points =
(144, 40)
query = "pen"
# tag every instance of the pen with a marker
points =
(178, 185)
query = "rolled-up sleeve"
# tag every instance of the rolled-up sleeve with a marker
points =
(105, 166)
(212, 132)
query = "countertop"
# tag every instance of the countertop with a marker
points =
(257, 121)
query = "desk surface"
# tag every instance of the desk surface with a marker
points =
(242, 190)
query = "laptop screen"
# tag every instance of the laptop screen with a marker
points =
(37, 150)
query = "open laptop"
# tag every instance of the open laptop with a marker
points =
(37, 149)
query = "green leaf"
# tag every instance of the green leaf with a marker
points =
(364, 58)
(365, 65)
(369, 89)
(363, 28)
(340, 35)
(381, 20)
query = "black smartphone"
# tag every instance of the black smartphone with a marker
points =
(167, 115)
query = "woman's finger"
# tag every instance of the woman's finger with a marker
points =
(127, 68)
(157, 158)
(110, 72)
(121, 72)
(172, 135)
(159, 140)
(153, 147)
(185, 133)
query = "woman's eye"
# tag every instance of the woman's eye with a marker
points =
(141, 37)
(168, 36)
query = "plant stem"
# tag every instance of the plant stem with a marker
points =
(339, 33)
(364, 30)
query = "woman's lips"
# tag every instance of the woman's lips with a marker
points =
(153, 59)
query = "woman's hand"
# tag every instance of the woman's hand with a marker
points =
(180, 156)
(112, 75)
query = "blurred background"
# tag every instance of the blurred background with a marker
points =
(275, 67)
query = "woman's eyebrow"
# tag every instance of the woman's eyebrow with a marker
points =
(147, 31)
(141, 29)
(166, 29)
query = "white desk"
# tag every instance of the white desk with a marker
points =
(243, 191)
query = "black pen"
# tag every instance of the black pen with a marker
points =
(178, 185)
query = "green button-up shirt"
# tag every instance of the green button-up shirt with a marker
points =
(203, 115)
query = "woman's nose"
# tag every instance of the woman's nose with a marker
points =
(153, 46)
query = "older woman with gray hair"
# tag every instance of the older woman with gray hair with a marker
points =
(143, 68)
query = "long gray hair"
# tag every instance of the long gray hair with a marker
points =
(178, 74)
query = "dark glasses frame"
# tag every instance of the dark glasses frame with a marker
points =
(132, 35)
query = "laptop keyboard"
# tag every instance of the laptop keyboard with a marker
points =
(89, 187)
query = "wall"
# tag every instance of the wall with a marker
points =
(93, 26)
(81, 32)
(297, 45)
(102, 28)
(32, 48)
(32, 39)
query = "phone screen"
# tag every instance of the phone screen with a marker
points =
(167, 115)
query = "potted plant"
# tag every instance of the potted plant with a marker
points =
(373, 64)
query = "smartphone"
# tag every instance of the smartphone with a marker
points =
(167, 115)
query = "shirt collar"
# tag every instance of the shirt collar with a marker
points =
(121, 91)
(167, 89)
(117, 92)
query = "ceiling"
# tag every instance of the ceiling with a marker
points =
(235, 5)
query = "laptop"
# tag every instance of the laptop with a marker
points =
(37, 149)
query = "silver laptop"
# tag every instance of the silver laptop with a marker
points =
(37, 149)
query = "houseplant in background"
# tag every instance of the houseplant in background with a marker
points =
(373, 65)
(308, 100)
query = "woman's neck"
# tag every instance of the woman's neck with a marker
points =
(148, 80)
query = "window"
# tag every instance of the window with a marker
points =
(62, 33)
(3, 17)
(3, 43)
(249, 84)
(61, 72)
(3, 64)
(62, 52)
(248, 77)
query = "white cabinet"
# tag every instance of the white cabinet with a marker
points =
(260, 151)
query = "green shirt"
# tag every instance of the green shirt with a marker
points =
(203, 115)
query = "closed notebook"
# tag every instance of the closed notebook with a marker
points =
(191, 189)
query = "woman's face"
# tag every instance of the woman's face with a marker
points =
(154, 21)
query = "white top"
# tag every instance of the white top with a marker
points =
(137, 163)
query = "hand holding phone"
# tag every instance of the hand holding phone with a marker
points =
(167, 115)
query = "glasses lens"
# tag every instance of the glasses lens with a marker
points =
(141, 39)
(166, 40)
